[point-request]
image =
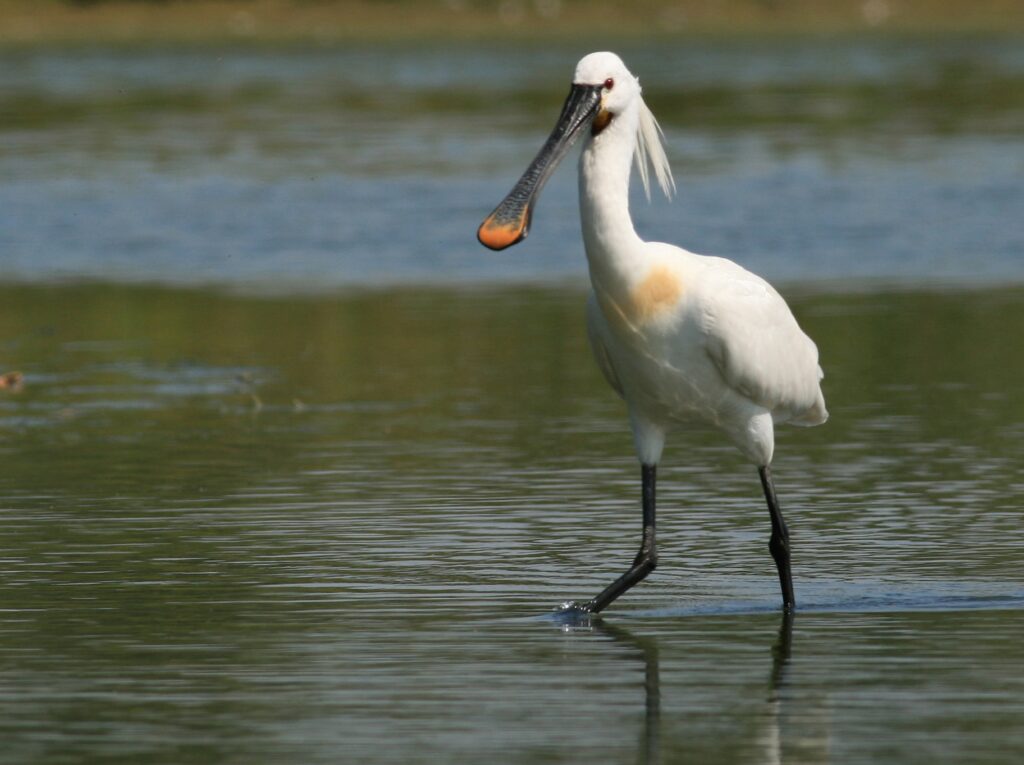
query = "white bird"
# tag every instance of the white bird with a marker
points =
(681, 337)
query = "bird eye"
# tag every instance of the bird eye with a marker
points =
(609, 84)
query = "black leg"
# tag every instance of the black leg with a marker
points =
(646, 560)
(779, 542)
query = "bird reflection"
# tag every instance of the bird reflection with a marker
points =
(646, 650)
(781, 651)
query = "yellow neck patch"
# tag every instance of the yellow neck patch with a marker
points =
(601, 121)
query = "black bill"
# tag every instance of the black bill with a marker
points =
(510, 221)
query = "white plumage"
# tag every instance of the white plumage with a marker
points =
(681, 337)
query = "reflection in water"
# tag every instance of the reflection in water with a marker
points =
(645, 648)
(781, 651)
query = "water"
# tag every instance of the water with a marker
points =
(298, 471)
(895, 160)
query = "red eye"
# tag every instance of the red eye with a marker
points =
(609, 84)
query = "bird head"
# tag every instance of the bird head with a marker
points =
(602, 90)
(619, 89)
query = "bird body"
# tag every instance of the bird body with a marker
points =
(681, 337)
(695, 338)
(686, 336)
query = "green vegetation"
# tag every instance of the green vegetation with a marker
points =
(326, 21)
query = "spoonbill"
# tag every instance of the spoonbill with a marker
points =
(681, 337)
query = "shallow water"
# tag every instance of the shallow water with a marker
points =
(299, 475)
(332, 528)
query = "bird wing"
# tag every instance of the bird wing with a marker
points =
(604, 362)
(757, 346)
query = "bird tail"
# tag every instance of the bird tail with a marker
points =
(817, 414)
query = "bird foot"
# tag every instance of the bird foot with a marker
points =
(574, 614)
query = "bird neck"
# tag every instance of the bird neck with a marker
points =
(611, 242)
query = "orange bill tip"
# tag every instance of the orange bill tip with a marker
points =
(499, 234)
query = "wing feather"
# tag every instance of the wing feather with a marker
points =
(601, 356)
(757, 346)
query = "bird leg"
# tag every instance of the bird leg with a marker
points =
(646, 559)
(779, 542)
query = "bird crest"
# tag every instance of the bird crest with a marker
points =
(650, 154)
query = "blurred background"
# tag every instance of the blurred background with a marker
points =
(313, 145)
(292, 468)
